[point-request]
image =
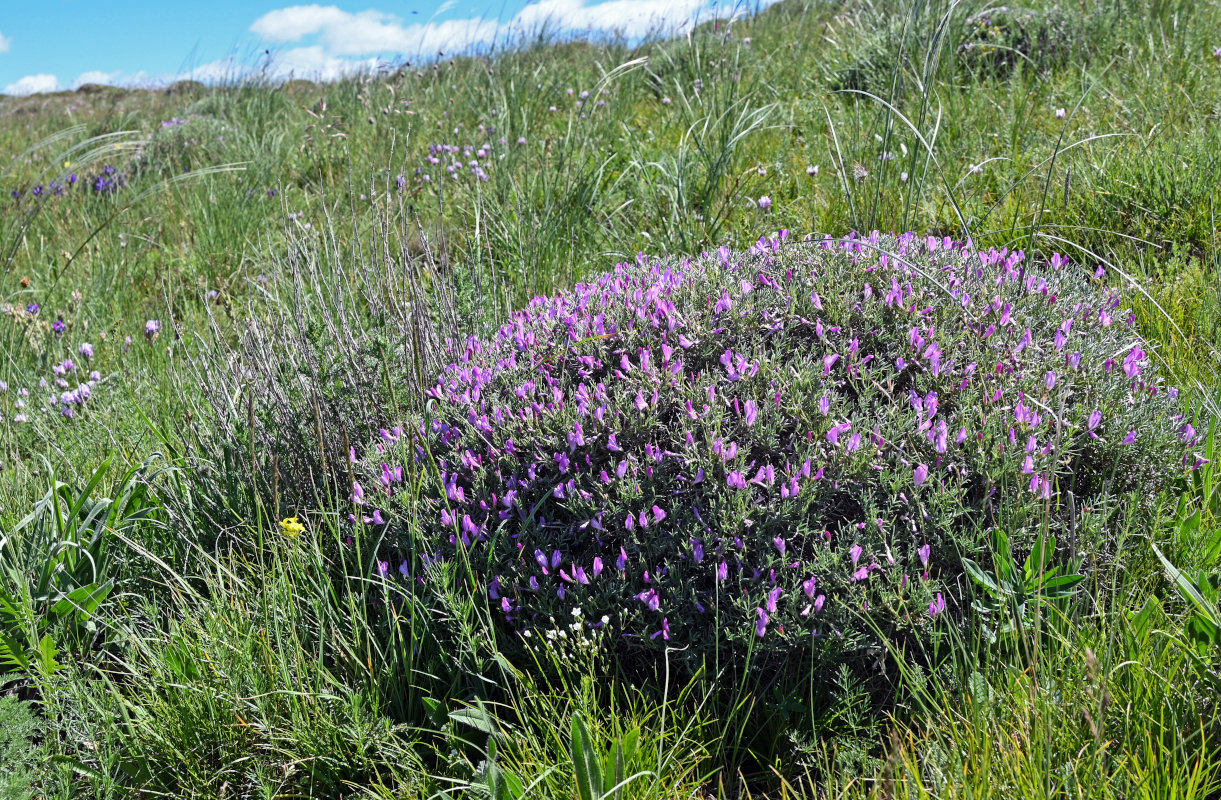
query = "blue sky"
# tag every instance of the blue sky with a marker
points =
(58, 44)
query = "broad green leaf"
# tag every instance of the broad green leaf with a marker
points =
(476, 717)
(585, 760)
(1188, 588)
(981, 577)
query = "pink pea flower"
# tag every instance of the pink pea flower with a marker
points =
(761, 624)
(937, 606)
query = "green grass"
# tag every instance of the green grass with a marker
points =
(230, 660)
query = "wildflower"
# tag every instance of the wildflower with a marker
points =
(1061, 113)
(761, 624)
(152, 328)
(924, 553)
(937, 606)
(920, 474)
(812, 170)
(291, 526)
(86, 350)
(765, 202)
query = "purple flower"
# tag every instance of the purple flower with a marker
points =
(855, 553)
(1095, 419)
(780, 544)
(651, 599)
(765, 202)
(722, 572)
(31, 309)
(751, 412)
(807, 586)
(152, 328)
(86, 350)
(59, 326)
(772, 597)
(924, 553)
(761, 624)
(937, 606)
(920, 474)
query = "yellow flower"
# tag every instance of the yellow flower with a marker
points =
(67, 164)
(291, 526)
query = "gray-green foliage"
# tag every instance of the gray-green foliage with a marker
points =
(19, 755)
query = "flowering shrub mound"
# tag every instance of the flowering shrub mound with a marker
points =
(773, 450)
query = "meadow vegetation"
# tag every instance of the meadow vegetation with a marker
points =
(818, 403)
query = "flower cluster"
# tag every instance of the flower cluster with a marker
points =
(455, 161)
(65, 387)
(763, 449)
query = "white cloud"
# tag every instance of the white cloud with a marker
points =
(315, 63)
(324, 42)
(292, 23)
(632, 18)
(31, 84)
(5, 43)
(365, 33)
(95, 76)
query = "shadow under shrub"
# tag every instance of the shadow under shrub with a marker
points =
(778, 453)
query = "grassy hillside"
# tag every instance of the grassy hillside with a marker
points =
(213, 294)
